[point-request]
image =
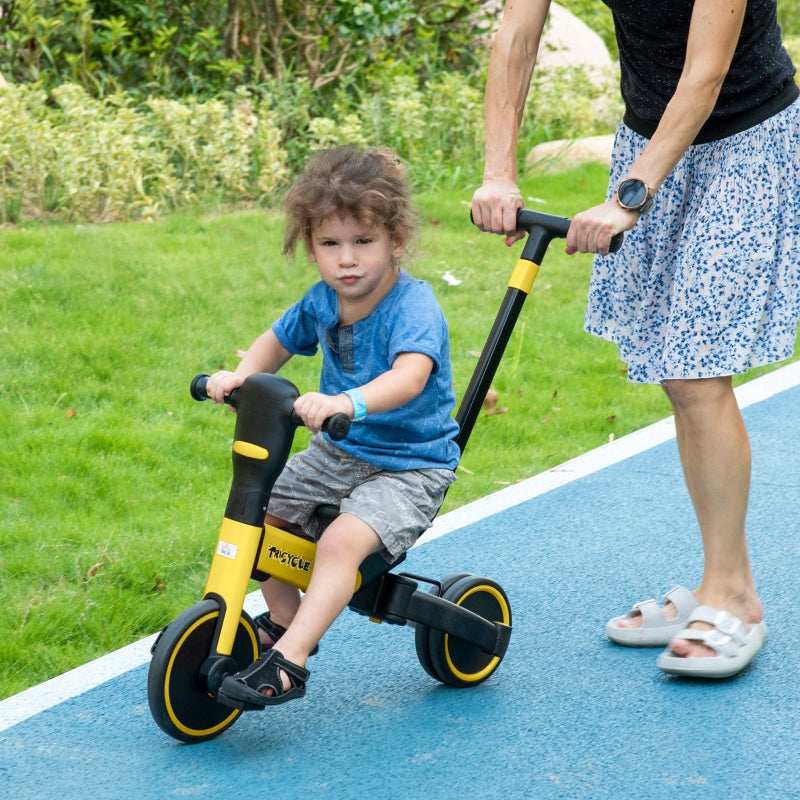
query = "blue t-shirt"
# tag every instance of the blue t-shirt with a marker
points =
(408, 319)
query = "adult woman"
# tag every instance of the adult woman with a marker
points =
(704, 175)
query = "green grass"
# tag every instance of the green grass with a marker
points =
(114, 481)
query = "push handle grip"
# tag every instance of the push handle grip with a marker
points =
(557, 227)
(542, 228)
(337, 426)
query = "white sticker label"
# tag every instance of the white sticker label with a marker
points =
(227, 550)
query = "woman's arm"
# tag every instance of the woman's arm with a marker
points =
(516, 44)
(713, 35)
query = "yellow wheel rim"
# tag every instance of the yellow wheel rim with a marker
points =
(477, 677)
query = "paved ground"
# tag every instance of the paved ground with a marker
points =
(567, 715)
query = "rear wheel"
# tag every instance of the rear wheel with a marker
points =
(422, 633)
(455, 661)
(177, 685)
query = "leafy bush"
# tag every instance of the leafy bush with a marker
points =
(438, 129)
(70, 156)
(75, 147)
(789, 17)
(570, 102)
(173, 49)
(73, 157)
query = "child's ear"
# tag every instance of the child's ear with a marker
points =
(398, 245)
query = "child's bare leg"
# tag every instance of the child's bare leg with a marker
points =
(282, 600)
(345, 544)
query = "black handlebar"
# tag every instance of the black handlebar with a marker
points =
(198, 389)
(543, 228)
(337, 426)
(527, 220)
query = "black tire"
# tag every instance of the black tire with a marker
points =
(454, 661)
(422, 633)
(179, 702)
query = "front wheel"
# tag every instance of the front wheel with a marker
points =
(177, 690)
(452, 660)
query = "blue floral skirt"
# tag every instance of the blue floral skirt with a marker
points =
(708, 282)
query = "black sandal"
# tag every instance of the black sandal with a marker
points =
(243, 690)
(274, 631)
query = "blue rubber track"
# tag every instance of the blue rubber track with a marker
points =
(566, 715)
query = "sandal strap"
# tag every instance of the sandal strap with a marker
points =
(653, 612)
(727, 635)
(290, 668)
(683, 600)
(650, 611)
(265, 673)
(272, 629)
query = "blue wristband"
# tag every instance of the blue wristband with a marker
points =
(359, 403)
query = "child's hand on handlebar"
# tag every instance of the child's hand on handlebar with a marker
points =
(221, 384)
(591, 231)
(315, 408)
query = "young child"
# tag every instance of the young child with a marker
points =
(386, 364)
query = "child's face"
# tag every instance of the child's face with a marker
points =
(356, 259)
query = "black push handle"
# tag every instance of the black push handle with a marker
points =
(542, 229)
(337, 426)
(528, 220)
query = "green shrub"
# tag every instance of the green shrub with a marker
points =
(72, 157)
(437, 129)
(171, 48)
(67, 154)
(789, 17)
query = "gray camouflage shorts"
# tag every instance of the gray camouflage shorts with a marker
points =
(398, 506)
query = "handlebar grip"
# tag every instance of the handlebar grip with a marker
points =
(337, 426)
(198, 387)
(527, 220)
(554, 225)
(199, 393)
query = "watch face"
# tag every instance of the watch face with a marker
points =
(632, 193)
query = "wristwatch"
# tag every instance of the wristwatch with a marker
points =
(635, 195)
